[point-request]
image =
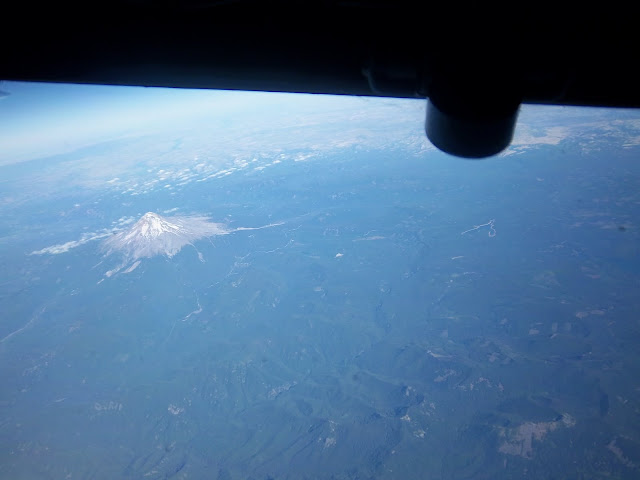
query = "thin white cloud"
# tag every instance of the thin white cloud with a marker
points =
(85, 238)
(65, 247)
(132, 267)
(122, 221)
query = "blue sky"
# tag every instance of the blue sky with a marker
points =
(40, 119)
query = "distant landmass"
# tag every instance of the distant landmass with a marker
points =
(319, 294)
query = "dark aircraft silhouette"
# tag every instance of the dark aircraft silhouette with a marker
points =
(475, 63)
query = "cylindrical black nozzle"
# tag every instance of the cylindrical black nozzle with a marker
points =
(471, 122)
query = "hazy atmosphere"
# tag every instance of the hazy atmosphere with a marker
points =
(233, 285)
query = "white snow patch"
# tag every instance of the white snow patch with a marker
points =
(132, 267)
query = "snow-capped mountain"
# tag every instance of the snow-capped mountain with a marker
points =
(156, 235)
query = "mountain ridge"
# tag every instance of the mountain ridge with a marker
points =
(154, 235)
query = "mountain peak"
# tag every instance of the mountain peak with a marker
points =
(154, 234)
(149, 215)
(153, 225)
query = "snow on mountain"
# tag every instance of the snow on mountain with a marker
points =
(156, 235)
